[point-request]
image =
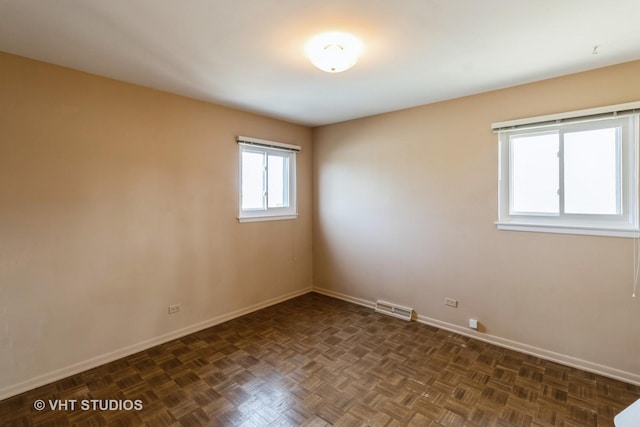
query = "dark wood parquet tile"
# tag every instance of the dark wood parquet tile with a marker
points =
(316, 361)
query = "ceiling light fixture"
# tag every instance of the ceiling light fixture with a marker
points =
(333, 52)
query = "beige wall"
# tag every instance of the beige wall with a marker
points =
(117, 201)
(405, 205)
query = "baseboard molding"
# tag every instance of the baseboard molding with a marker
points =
(562, 359)
(94, 362)
(552, 356)
(344, 297)
(144, 345)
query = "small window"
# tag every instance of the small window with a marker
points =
(267, 180)
(575, 176)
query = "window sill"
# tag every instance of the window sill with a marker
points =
(266, 218)
(564, 229)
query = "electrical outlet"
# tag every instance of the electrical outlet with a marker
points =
(173, 309)
(451, 302)
(473, 323)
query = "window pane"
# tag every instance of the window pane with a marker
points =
(278, 172)
(253, 180)
(535, 174)
(591, 172)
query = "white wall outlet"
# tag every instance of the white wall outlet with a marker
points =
(473, 323)
(173, 309)
(451, 302)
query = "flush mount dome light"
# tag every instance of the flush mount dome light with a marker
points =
(333, 52)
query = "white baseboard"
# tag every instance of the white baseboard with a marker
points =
(76, 368)
(344, 297)
(563, 359)
(94, 362)
(552, 356)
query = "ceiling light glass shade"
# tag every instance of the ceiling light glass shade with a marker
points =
(333, 52)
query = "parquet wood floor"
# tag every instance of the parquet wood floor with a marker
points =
(317, 361)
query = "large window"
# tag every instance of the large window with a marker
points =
(575, 173)
(267, 180)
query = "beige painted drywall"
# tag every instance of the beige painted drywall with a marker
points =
(405, 205)
(117, 201)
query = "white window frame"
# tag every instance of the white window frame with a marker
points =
(625, 224)
(268, 148)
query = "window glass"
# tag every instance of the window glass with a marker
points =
(253, 177)
(278, 173)
(591, 172)
(577, 177)
(267, 181)
(535, 174)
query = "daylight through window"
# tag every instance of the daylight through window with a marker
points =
(267, 180)
(570, 174)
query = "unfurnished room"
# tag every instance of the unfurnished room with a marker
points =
(319, 213)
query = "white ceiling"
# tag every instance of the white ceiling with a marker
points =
(249, 53)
